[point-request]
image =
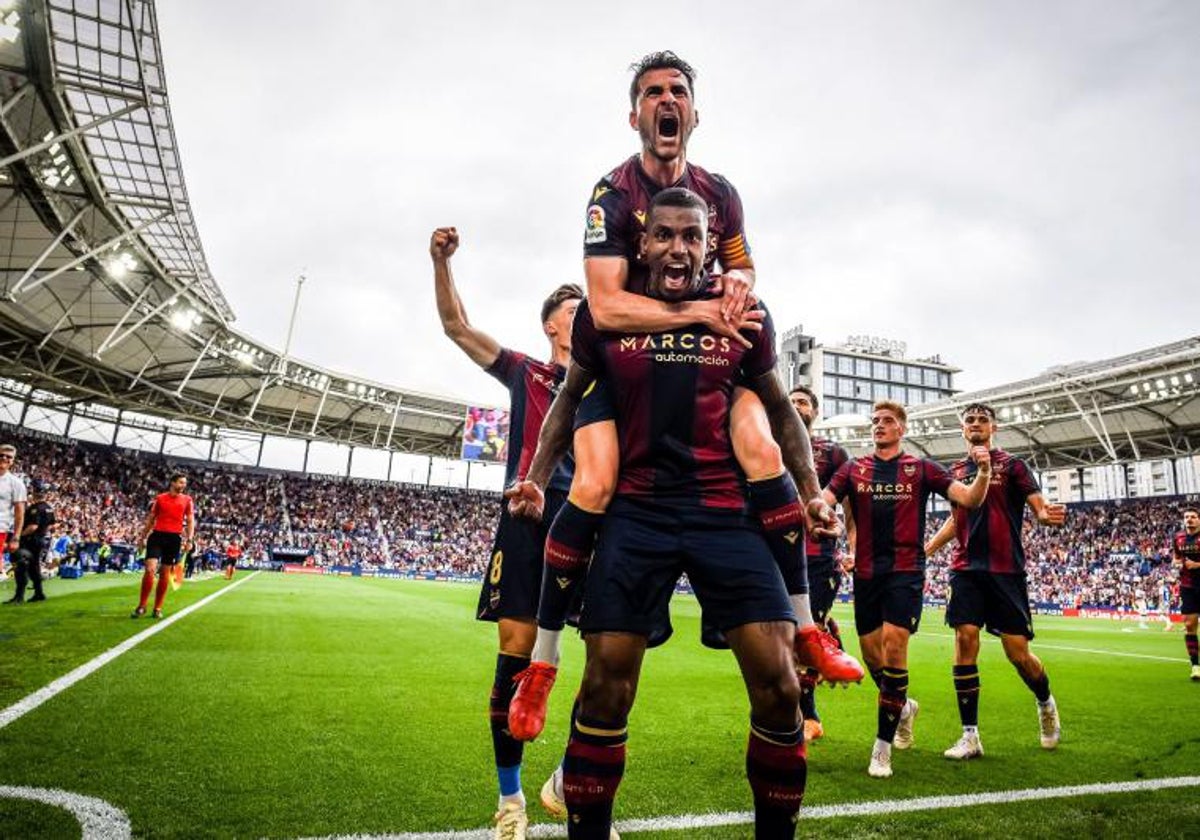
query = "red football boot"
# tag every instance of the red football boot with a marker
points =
(527, 711)
(814, 648)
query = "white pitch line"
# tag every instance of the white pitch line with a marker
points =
(1097, 651)
(98, 819)
(686, 822)
(28, 704)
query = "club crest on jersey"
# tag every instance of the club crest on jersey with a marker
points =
(862, 468)
(910, 470)
(600, 191)
(596, 232)
(640, 215)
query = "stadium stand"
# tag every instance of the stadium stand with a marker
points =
(1109, 555)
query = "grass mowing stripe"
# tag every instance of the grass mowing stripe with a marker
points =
(28, 704)
(686, 822)
(1097, 651)
(98, 819)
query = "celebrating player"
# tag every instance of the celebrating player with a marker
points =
(664, 115)
(987, 579)
(170, 526)
(1186, 555)
(510, 586)
(888, 491)
(824, 570)
(680, 507)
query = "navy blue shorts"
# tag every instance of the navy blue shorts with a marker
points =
(512, 584)
(998, 602)
(824, 581)
(643, 550)
(596, 405)
(894, 597)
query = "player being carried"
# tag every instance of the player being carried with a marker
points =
(1185, 551)
(663, 113)
(987, 579)
(888, 491)
(509, 595)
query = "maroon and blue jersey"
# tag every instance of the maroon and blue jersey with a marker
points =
(989, 537)
(672, 393)
(1187, 547)
(888, 499)
(616, 216)
(828, 457)
(531, 386)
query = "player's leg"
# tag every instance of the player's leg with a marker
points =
(1033, 673)
(966, 613)
(508, 596)
(35, 576)
(776, 764)
(824, 581)
(19, 560)
(1189, 597)
(149, 569)
(594, 763)
(776, 501)
(568, 550)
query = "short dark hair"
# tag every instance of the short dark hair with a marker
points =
(664, 59)
(808, 392)
(175, 476)
(978, 406)
(1190, 509)
(564, 293)
(679, 197)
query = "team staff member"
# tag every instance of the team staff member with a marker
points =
(513, 579)
(1186, 555)
(888, 491)
(34, 543)
(987, 580)
(168, 532)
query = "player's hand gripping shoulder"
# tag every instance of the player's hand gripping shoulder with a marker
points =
(710, 313)
(443, 243)
(737, 293)
(525, 499)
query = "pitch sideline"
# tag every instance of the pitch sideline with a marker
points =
(686, 822)
(28, 704)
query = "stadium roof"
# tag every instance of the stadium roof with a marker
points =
(107, 296)
(1141, 406)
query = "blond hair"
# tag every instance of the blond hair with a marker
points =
(894, 407)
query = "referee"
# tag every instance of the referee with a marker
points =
(168, 532)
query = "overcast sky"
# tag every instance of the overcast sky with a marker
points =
(1010, 185)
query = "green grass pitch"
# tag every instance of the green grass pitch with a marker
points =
(301, 706)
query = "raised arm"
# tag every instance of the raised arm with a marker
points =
(526, 497)
(972, 496)
(479, 346)
(796, 447)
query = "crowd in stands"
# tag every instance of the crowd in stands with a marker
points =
(102, 494)
(1108, 554)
